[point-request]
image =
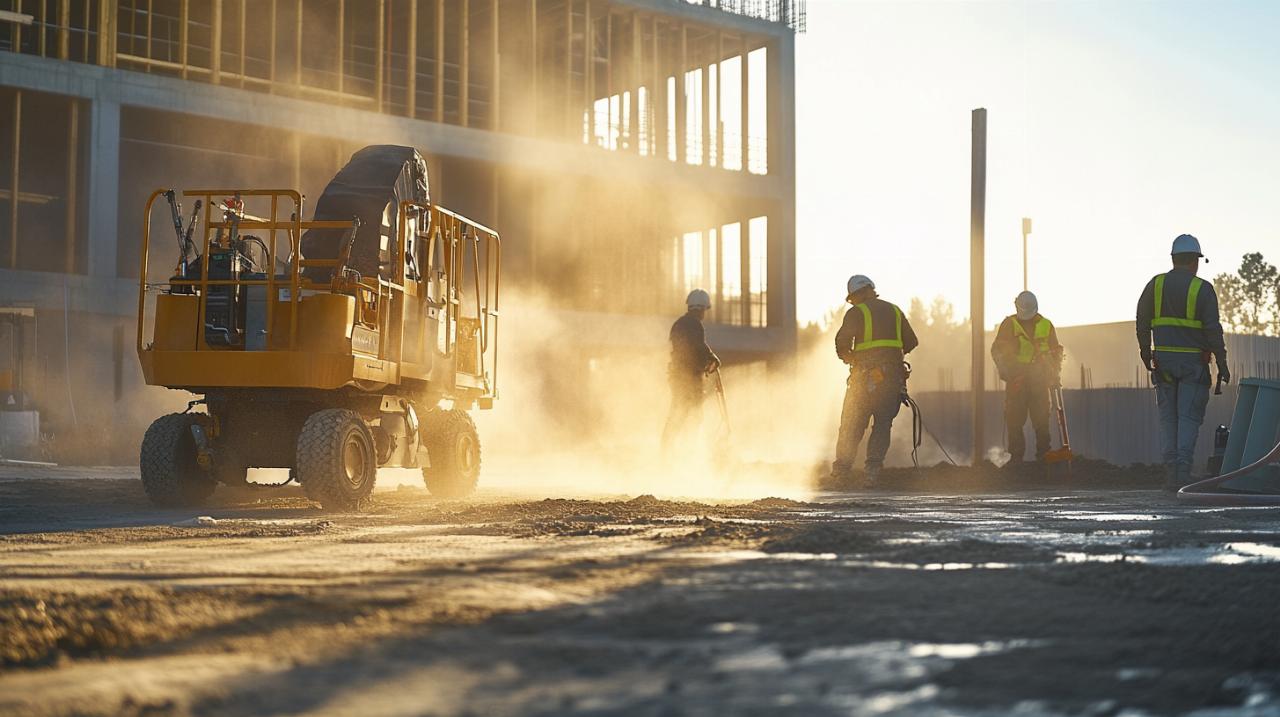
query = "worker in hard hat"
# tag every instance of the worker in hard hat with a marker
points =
(1179, 311)
(872, 340)
(691, 361)
(1029, 358)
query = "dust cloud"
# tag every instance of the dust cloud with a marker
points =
(568, 425)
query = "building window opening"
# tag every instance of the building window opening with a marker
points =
(693, 116)
(729, 303)
(730, 113)
(758, 112)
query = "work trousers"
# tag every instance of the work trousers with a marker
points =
(1025, 397)
(1182, 393)
(687, 395)
(873, 399)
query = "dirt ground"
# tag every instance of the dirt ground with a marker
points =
(945, 592)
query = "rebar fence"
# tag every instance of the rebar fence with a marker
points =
(792, 13)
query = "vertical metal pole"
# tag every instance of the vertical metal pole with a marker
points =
(380, 50)
(411, 82)
(13, 180)
(682, 96)
(464, 64)
(215, 50)
(744, 271)
(64, 29)
(342, 45)
(744, 124)
(634, 124)
(107, 12)
(719, 99)
(44, 26)
(297, 46)
(295, 145)
(589, 71)
(243, 25)
(977, 275)
(184, 20)
(658, 144)
(73, 156)
(440, 60)
(570, 122)
(705, 112)
(613, 139)
(533, 65)
(271, 62)
(494, 104)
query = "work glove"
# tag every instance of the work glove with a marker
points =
(1224, 374)
(1145, 353)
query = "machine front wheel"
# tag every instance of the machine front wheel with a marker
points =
(167, 463)
(453, 446)
(336, 461)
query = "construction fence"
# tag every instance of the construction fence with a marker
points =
(1118, 425)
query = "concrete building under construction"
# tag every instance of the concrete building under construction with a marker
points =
(628, 150)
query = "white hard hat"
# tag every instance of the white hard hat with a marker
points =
(858, 282)
(698, 299)
(1027, 305)
(1186, 244)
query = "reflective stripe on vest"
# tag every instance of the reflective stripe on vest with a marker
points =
(867, 342)
(1189, 322)
(1027, 349)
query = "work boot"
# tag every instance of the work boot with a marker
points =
(873, 476)
(840, 477)
(1171, 484)
(1184, 475)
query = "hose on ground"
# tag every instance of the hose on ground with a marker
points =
(918, 431)
(1200, 493)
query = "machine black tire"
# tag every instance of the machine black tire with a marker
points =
(167, 463)
(453, 446)
(337, 463)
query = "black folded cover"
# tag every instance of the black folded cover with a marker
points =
(371, 186)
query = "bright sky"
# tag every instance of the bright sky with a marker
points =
(1115, 125)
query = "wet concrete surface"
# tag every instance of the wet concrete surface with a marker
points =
(1034, 599)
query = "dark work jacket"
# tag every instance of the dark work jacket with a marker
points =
(884, 326)
(690, 354)
(1176, 285)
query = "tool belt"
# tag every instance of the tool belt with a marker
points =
(870, 379)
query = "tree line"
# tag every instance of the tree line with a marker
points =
(1249, 299)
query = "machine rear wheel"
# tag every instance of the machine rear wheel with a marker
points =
(337, 464)
(453, 446)
(167, 463)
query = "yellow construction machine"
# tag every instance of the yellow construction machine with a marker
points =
(333, 346)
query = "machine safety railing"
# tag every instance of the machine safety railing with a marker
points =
(295, 281)
(465, 246)
(459, 238)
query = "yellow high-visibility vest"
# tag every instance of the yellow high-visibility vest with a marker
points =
(868, 342)
(1189, 322)
(1028, 348)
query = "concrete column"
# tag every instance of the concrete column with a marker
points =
(104, 190)
(780, 93)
